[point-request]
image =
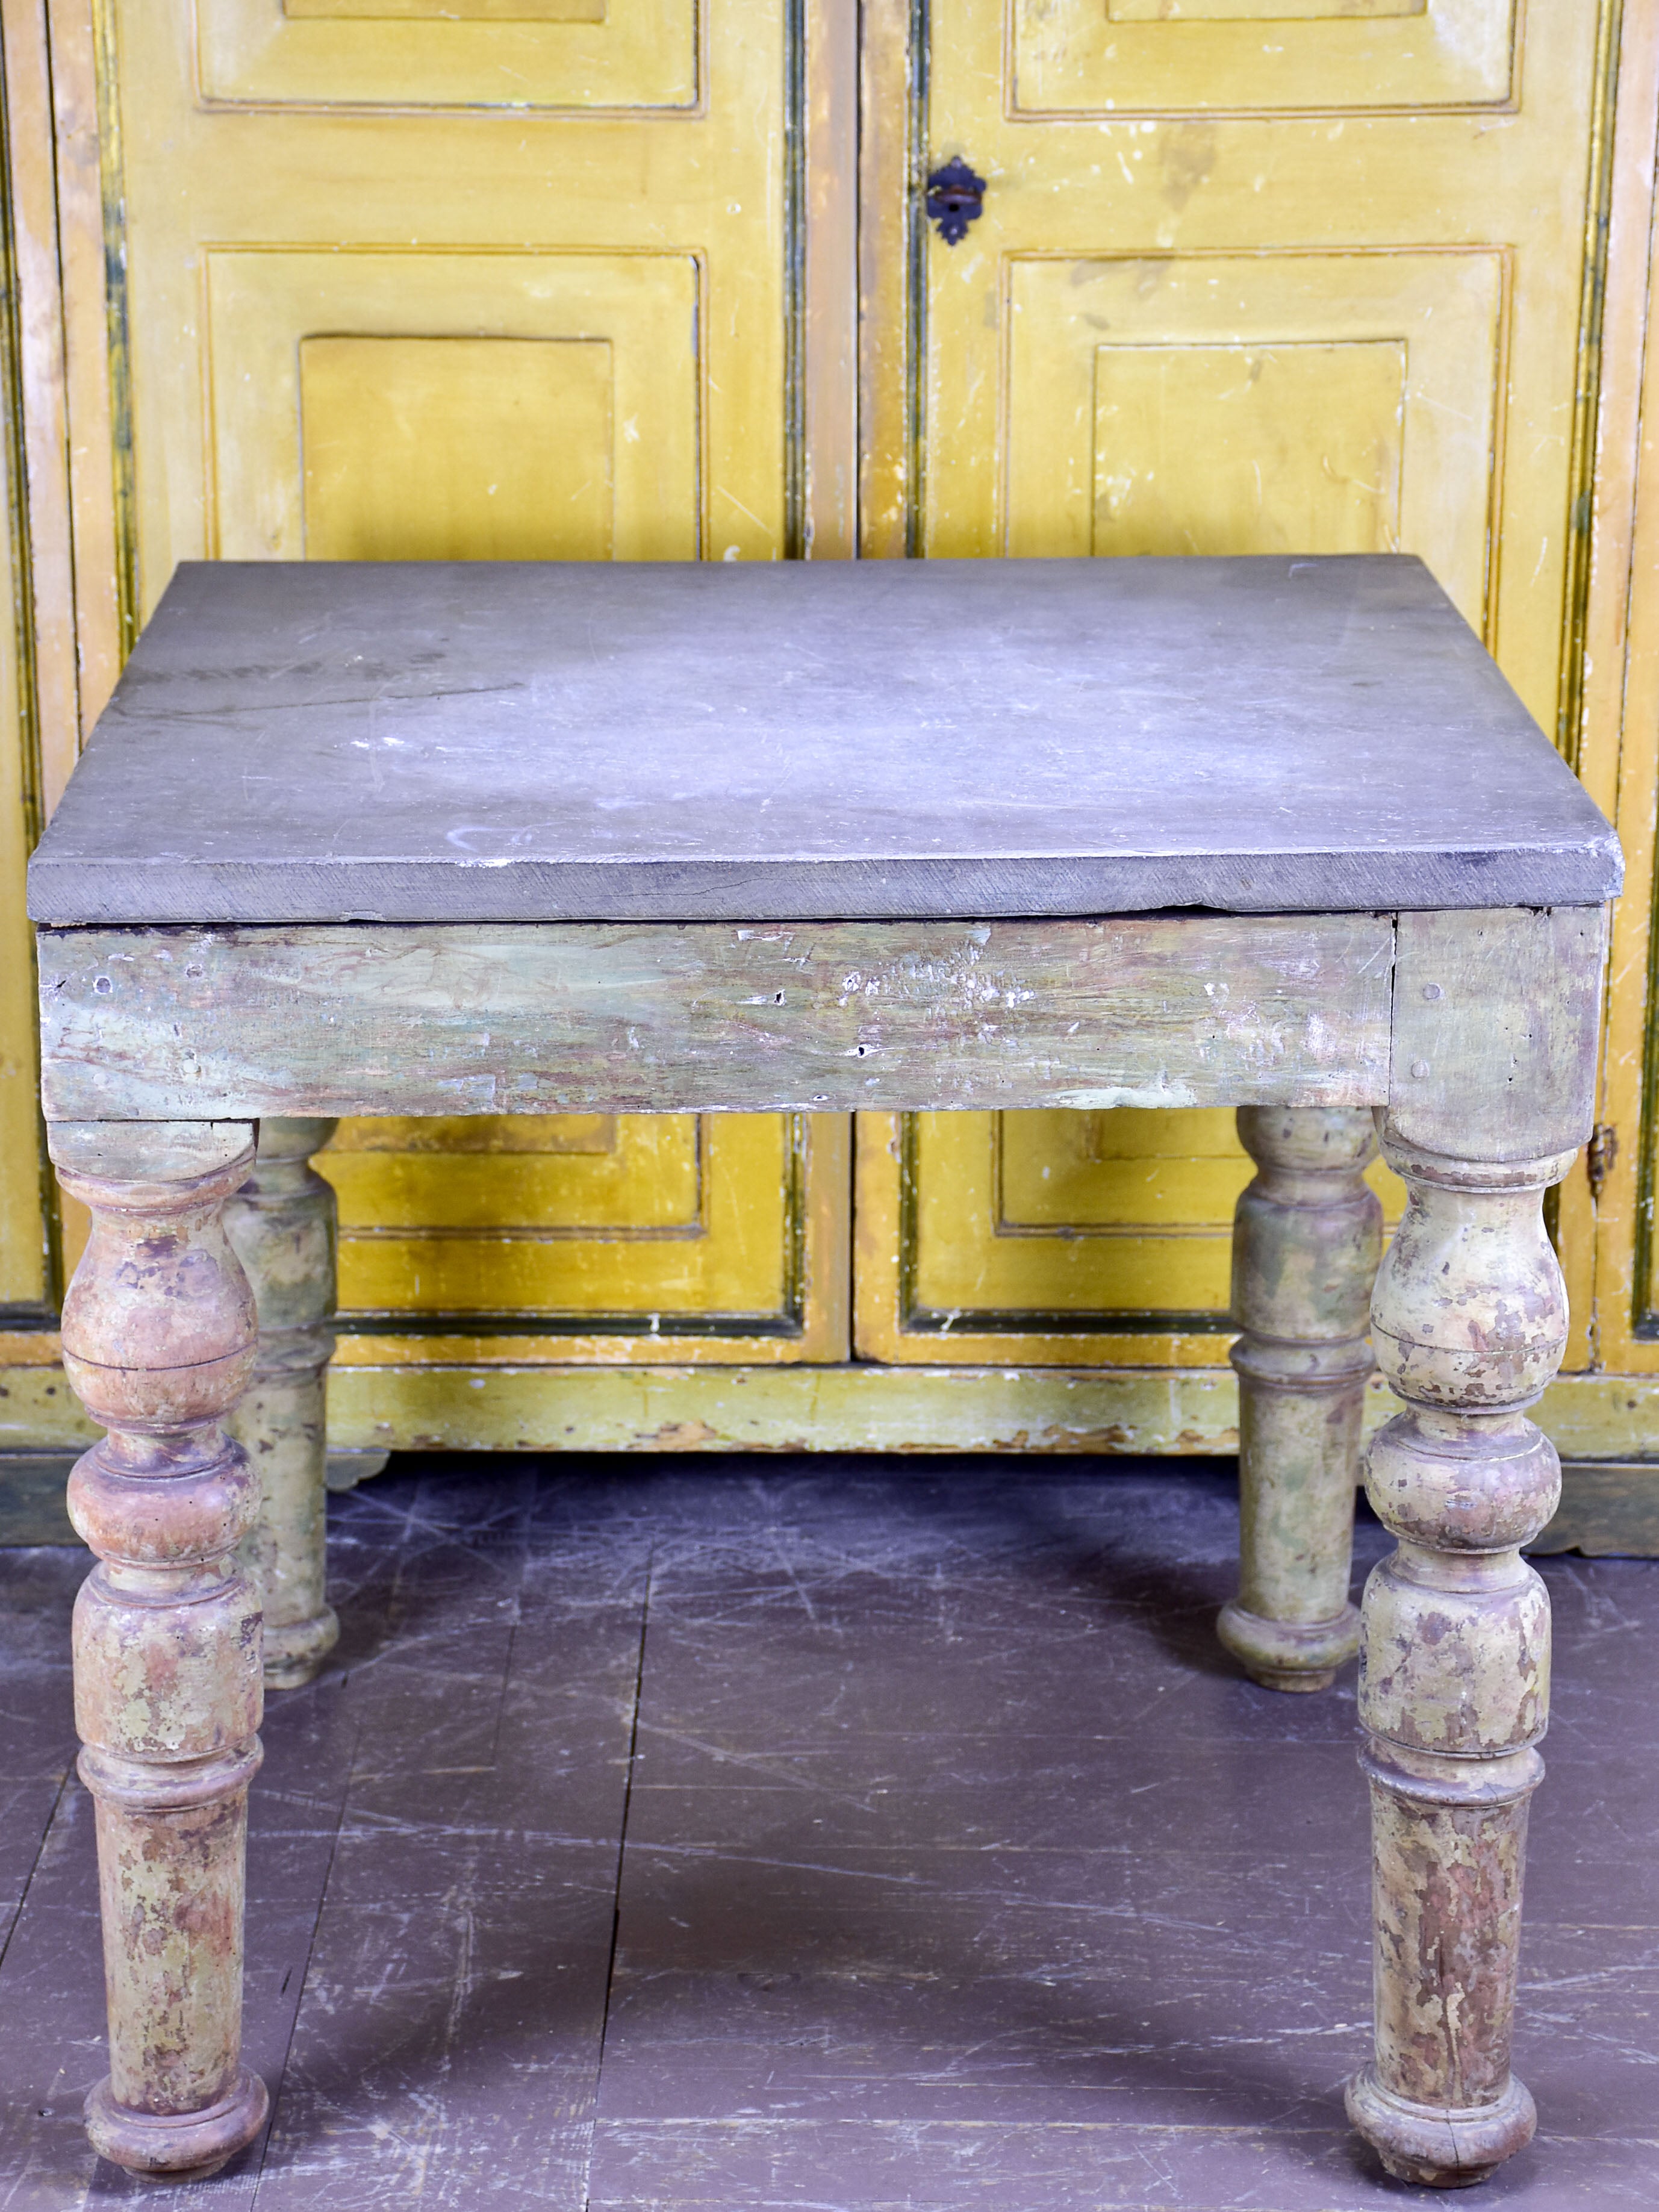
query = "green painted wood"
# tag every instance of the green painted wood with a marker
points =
(1495, 1025)
(1187, 1011)
(856, 1407)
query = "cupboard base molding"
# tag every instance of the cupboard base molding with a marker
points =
(1606, 1427)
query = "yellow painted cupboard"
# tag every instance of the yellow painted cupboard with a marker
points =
(623, 279)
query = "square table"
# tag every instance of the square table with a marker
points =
(446, 839)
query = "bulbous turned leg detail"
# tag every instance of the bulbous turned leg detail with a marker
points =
(1306, 1239)
(158, 1342)
(283, 1223)
(1469, 1322)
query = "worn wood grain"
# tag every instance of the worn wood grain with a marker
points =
(1495, 1018)
(1191, 1011)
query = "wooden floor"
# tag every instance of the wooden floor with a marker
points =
(831, 1835)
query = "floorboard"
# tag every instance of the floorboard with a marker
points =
(862, 1835)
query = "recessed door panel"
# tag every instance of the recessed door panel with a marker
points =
(1297, 444)
(625, 1225)
(357, 414)
(1078, 56)
(1220, 404)
(635, 1174)
(451, 11)
(1262, 404)
(1249, 11)
(413, 446)
(1089, 1239)
(450, 53)
(369, 444)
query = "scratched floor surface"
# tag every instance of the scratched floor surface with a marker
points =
(859, 1836)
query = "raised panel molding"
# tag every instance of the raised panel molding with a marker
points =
(1056, 1239)
(1299, 445)
(454, 11)
(577, 55)
(478, 404)
(1074, 58)
(317, 425)
(1309, 403)
(692, 1223)
(576, 1174)
(1211, 402)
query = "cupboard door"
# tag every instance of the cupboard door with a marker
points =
(496, 282)
(1251, 277)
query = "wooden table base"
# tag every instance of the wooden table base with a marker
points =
(1478, 1052)
(366, 838)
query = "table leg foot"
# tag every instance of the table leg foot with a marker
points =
(1306, 1241)
(283, 1223)
(186, 2146)
(1289, 1654)
(1436, 2146)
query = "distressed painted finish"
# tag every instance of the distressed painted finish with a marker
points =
(1469, 1322)
(159, 1340)
(1493, 1083)
(1495, 1018)
(1526, 477)
(1306, 1242)
(616, 1018)
(497, 1400)
(283, 1225)
(1489, 1018)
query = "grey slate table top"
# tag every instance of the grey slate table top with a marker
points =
(322, 742)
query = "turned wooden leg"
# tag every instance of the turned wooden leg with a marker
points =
(158, 1343)
(1469, 1322)
(283, 1224)
(1306, 1240)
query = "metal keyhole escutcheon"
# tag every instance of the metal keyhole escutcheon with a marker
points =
(956, 197)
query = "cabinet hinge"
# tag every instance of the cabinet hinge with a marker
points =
(1600, 1154)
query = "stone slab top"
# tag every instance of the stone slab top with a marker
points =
(435, 742)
